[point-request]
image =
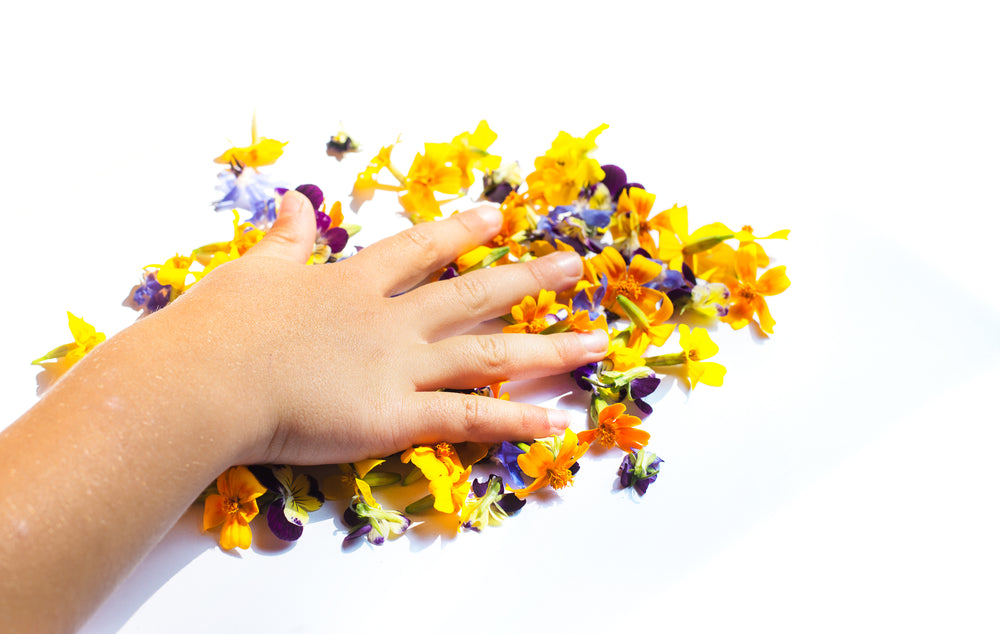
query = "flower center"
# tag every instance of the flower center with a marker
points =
(444, 450)
(692, 355)
(606, 435)
(559, 477)
(746, 291)
(232, 506)
(537, 325)
(748, 228)
(629, 288)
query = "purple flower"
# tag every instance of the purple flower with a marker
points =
(372, 521)
(490, 505)
(248, 190)
(638, 470)
(506, 454)
(149, 296)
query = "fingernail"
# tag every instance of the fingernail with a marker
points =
(558, 420)
(569, 263)
(594, 341)
(490, 215)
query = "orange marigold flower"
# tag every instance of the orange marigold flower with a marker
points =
(747, 292)
(550, 462)
(626, 280)
(615, 427)
(233, 506)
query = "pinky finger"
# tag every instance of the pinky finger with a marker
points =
(452, 417)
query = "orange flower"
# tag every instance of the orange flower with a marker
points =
(630, 224)
(615, 427)
(625, 280)
(233, 506)
(550, 462)
(748, 292)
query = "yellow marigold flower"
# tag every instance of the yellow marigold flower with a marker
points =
(174, 272)
(615, 427)
(697, 346)
(448, 481)
(624, 356)
(533, 316)
(566, 168)
(85, 339)
(747, 292)
(677, 246)
(261, 151)
(550, 462)
(234, 506)
(470, 151)
(433, 171)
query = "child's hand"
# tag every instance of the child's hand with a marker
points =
(322, 364)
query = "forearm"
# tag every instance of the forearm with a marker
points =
(137, 434)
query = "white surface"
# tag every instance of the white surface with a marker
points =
(844, 478)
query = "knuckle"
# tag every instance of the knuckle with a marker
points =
(566, 349)
(472, 416)
(494, 354)
(422, 245)
(542, 271)
(472, 292)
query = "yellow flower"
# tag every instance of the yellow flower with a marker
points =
(448, 480)
(85, 339)
(261, 151)
(234, 506)
(630, 224)
(432, 171)
(469, 151)
(533, 316)
(697, 346)
(566, 168)
(747, 292)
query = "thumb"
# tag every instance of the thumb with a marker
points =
(293, 235)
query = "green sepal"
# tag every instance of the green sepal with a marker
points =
(705, 244)
(55, 353)
(351, 229)
(664, 360)
(422, 505)
(490, 258)
(414, 475)
(381, 478)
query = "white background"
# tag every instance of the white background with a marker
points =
(843, 479)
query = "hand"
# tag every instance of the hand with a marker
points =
(340, 362)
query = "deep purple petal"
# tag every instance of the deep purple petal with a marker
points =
(279, 525)
(614, 179)
(313, 193)
(643, 386)
(574, 468)
(265, 475)
(322, 221)
(336, 238)
(511, 504)
(643, 483)
(360, 531)
(479, 488)
(314, 489)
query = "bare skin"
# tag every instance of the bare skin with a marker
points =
(266, 360)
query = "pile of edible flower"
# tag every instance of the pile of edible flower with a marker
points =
(654, 283)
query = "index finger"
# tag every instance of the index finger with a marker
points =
(407, 258)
